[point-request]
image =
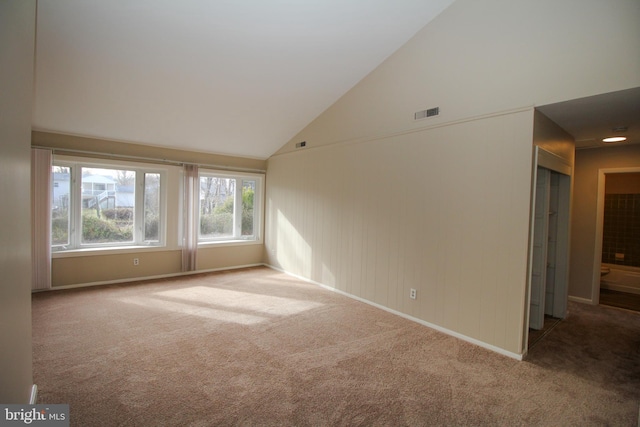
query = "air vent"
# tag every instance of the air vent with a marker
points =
(301, 144)
(426, 113)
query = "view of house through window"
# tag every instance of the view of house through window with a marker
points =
(107, 206)
(121, 204)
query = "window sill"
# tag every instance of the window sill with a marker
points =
(137, 249)
(218, 243)
(108, 251)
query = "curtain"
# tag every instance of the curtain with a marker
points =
(190, 206)
(41, 162)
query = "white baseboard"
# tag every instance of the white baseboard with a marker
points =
(581, 300)
(408, 317)
(137, 279)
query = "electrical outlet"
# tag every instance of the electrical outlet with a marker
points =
(413, 293)
(136, 261)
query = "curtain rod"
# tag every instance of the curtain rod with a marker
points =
(62, 151)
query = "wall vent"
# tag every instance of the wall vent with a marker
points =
(426, 113)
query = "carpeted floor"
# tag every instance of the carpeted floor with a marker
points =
(257, 347)
(536, 335)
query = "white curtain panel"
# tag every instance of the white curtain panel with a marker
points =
(41, 218)
(190, 204)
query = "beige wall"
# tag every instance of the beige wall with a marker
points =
(81, 269)
(444, 210)
(584, 218)
(119, 267)
(623, 183)
(553, 139)
(74, 144)
(17, 38)
(219, 257)
(378, 203)
(78, 268)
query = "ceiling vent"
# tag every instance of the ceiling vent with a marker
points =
(426, 113)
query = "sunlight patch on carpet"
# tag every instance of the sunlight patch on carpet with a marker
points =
(223, 304)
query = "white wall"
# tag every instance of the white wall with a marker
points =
(17, 36)
(373, 209)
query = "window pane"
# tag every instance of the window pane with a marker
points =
(108, 199)
(151, 207)
(217, 198)
(248, 192)
(60, 205)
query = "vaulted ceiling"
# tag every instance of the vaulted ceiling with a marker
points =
(216, 76)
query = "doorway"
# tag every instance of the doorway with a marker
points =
(549, 247)
(618, 227)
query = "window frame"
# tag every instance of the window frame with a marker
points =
(75, 243)
(258, 211)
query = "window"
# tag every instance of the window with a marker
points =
(60, 210)
(105, 206)
(229, 207)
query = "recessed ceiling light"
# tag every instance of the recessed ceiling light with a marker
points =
(614, 139)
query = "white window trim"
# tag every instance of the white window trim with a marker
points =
(258, 200)
(76, 246)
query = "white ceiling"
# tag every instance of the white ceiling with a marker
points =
(217, 76)
(593, 118)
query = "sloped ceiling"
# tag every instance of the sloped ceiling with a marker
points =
(216, 76)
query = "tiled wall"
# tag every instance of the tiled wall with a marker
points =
(621, 233)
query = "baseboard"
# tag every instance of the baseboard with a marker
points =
(581, 300)
(33, 398)
(138, 279)
(408, 317)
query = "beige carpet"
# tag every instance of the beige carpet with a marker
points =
(256, 347)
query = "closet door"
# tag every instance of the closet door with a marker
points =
(540, 247)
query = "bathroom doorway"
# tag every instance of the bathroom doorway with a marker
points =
(619, 232)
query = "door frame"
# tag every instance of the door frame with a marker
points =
(539, 247)
(597, 253)
(553, 162)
